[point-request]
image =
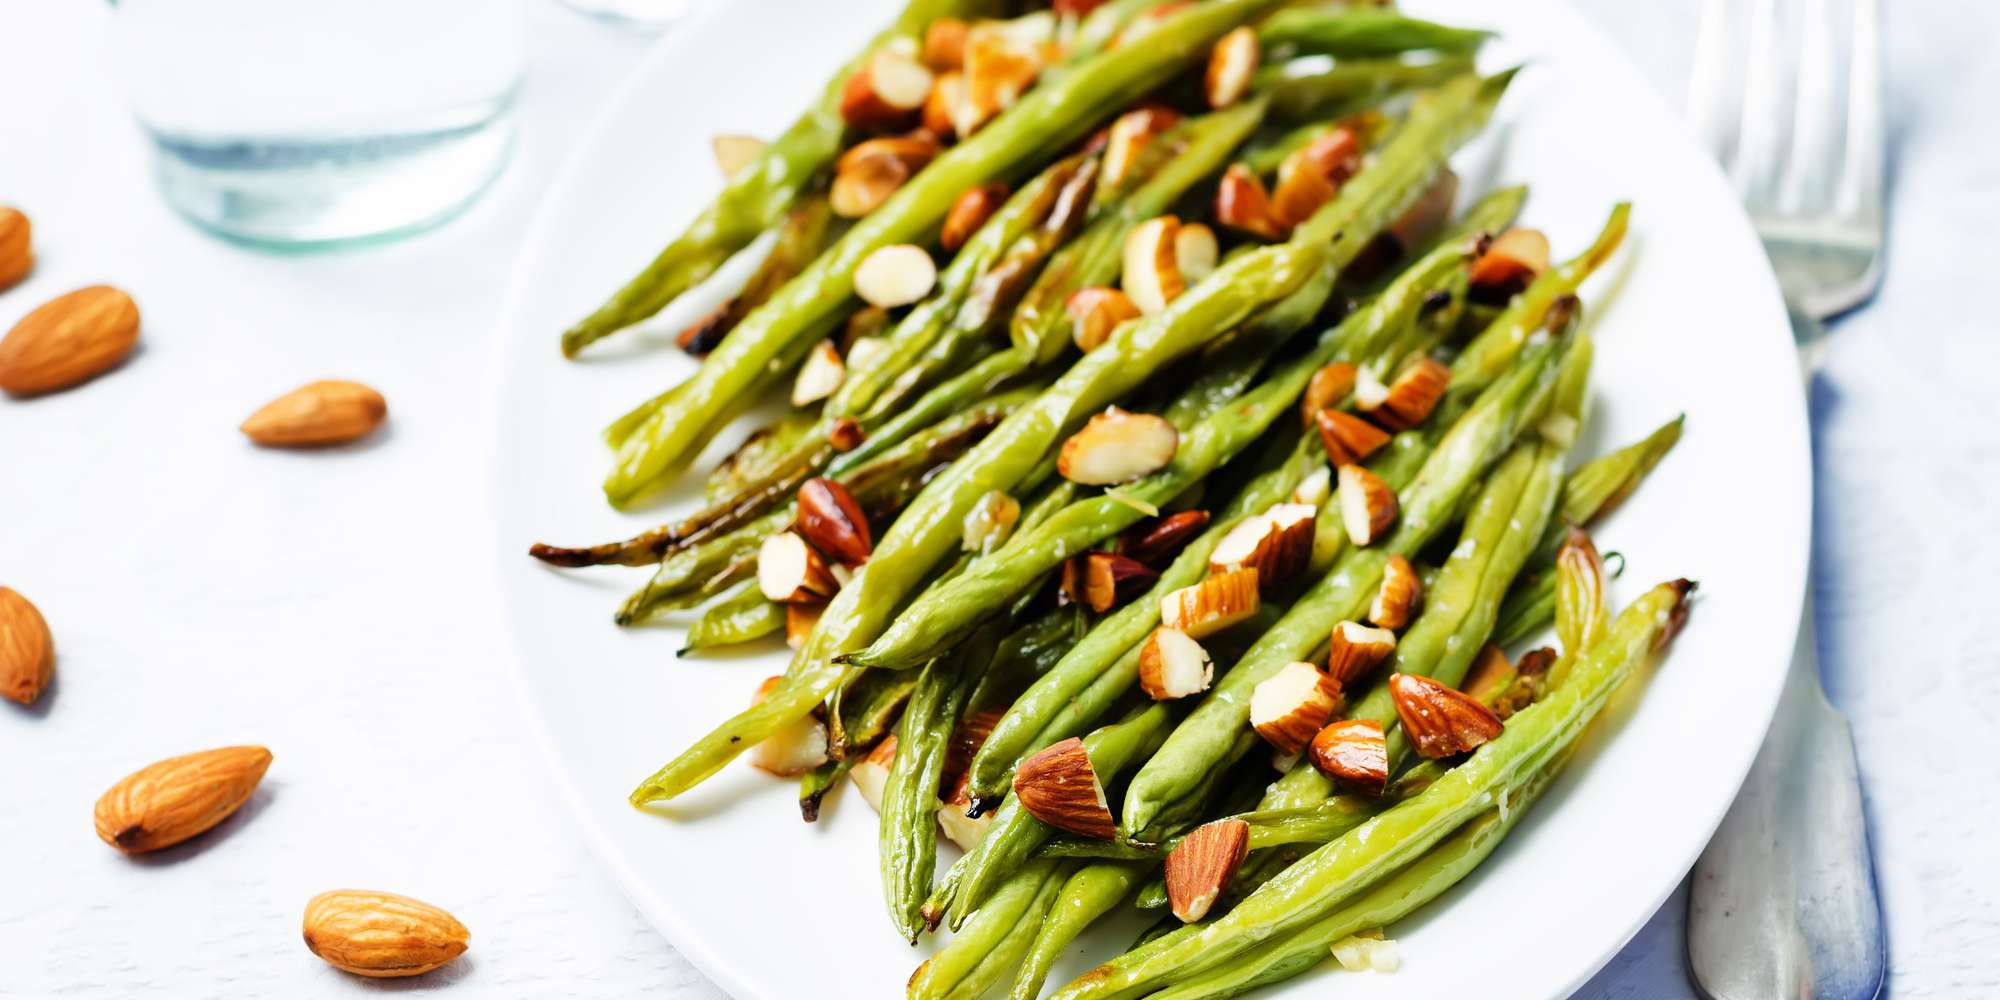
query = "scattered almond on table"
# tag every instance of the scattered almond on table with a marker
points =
(162, 804)
(380, 934)
(27, 653)
(68, 340)
(316, 414)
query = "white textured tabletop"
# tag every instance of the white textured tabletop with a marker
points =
(332, 606)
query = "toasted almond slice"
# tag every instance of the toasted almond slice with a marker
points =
(1276, 543)
(1337, 154)
(792, 572)
(1367, 504)
(1231, 64)
(1513, 259)
(1243, 204)
(1110, 579)
(734, 152)
(1213, 604)
(1354, 753)
(1290, 707)
(865, 176)
(1173, 665)
(1356, 649)
(1117, 447)
(1152, 274)
(1095, 312)
(871, 773)
(1348, 439)
(1315, 488)
(1369, 392)
(1328, 386)
(1157, 542)
(1395, 603)
(887, 90)
(1243, 545)
(895, 275)
(1059, 786)
(800, 620)
(819, 376)
(1195, 252)
(1412, 395)
(846, 434)
(1128, 136)
(1201, 866)
(990, 521)
(1490, 671)
(948, 106)
(832, 522)
(793, 750)
(1441, 721)
(944, 44)
(970, 211)
(1301, 190)
(999, 65)
(1430, 213)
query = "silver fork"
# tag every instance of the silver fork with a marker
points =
(1789, 97)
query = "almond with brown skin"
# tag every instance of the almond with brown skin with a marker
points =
(1354, 753)
(1395, 603)
(380, 934)
(735, 152)
(820, 376)
(948, 110)
(1000, 65)
(1173, 665)
(865, 176)
(1059, 786)
(969, 211)
(1514, 258)
(1212, 605)
(1337, 154)
(1095, 312)
(1151, 272)
(1158, 541)
(1276, 543)
(1302, 188)
(68, 340)
(791, 571)
(1367, 505)
(27, 651)
(165, 803)
(1202, 864)
(1314, 489)
(846, 434)
(1231, 64)
(317, 414)
(871, 773)
(1440, 721)
(17, 247)
(800, 620)
(1355, 649)
(1129, 135)
(1412, 395)
(1291, 706)
(1242, 203)
(886, 91)
(1490, 672)
(1117, 447)
(1348, 439)
(1110, 579)
(944, 44)
(1327, 387)
(793, 750)
(832, 522)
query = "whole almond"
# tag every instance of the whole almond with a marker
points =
(381, 934)
(168, 802)
(68, 339)
(17, 247)
(27, 653)
(318, 413)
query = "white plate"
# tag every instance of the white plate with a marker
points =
(771, 908)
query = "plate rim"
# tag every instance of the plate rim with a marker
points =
(1604, 53)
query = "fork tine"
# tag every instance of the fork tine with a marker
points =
(1761, 146)
(1860, 192)
(1807, 180)
(1712, 103)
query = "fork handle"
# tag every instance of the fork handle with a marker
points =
(1783, 901)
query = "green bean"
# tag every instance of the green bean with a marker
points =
(1310, 89)
(756, 197)
(1210, 736)
(759, 454)
(1313, 824)
(1046, 117)
(1089, 892)
(995, 932)
(1359, 32)
(910, 793)
(1339, 872)
(743, 615)
(814, 784)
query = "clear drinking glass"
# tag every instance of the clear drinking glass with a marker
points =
(304, 122)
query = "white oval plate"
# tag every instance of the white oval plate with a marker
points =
(771, 908)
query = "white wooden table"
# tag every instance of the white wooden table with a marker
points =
(332, 606)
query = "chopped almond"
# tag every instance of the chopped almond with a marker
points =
(1173, 665)
(1367, 505)
(1156, 543)
(1212, 605)
(970, 211)
(1412, 395)
(1441, 721)
(820, 376)
(895, 275)
(990, 521)
(800, 620)
(1301, 190)
(1200, 867)
(1276, 543)
(1355, 649)
(1095, 312)
(1231, 65)
(1110, 579)
(791, 572)
(1000, 65)
(1117, 447)
(1327, 387)
(793, 750)
(1059, 786)
(831, 521)
(1129, 135)
(948, 110)
(871, 773)
(1195, 252)
(1151, 273)
(1290, 707)
(887, 89)
(1354, 753)
(1348, 439)
(846, 434)
(1337, 154)
(1243, 204)
(944, 44)
(1395, 602)
(867, 175)
(1514, 258)
(1314, 489)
